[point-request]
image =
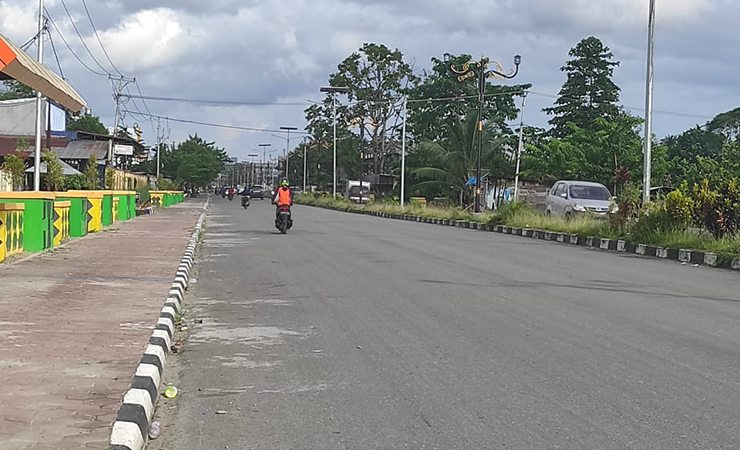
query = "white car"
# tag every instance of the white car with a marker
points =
(568, 199)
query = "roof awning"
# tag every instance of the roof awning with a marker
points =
(66, 169)
(16, 64)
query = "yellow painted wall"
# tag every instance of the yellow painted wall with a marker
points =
(11, 229)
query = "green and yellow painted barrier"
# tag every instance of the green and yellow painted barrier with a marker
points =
(37, 218)
(93, 209)
(11, 229)
(61, 221)
(114, 216)
(107, 208)
(77, 211)
(167, 198)
(126, 205)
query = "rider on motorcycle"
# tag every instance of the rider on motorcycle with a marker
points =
(245, 194)
(283, 197)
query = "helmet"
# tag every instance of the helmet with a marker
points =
(284, 183)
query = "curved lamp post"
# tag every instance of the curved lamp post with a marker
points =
(479, 69)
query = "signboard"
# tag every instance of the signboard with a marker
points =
(127, 150)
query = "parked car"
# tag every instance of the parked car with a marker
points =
(568, 199)
(257, 192)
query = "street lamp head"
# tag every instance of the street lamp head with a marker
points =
(335, 89)
(517, 59)
(289, 128)
(446, 57)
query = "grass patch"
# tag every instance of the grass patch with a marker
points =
(520, 216)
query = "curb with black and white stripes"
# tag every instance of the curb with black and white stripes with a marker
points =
(693, 257)
(131, 428)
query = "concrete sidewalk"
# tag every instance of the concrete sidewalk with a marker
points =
(74, 324)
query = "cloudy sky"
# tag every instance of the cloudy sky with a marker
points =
(282, 51)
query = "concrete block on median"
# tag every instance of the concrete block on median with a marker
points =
(735, 264)
(516, 231)
(710, 259)
(661, 252)
(527, 232)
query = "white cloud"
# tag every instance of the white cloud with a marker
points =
(147, 39)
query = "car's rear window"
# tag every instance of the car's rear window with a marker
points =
(589, 192)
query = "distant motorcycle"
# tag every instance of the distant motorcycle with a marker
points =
(283, 222)
(231, 196)
(245, 202)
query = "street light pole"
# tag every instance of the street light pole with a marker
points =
(647, 151)
(264, 157)
(480, 70)
(334, 90)
(39, 106)
(287, 148)
(403, 152)
(519, 149)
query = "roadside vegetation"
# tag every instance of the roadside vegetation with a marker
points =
(667, 223)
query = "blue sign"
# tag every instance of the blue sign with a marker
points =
(471, 181)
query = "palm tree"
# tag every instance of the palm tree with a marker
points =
(451, 161)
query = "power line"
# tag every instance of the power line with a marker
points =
(217, 125)
(218, 102)
(69, 47)
(54, 49)
(79, 35)
(105, 52)
(633, 108)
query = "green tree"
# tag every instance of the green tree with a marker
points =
(448, 164)
(87, 123)
(430, 119)
(598, 153)
(54, 172)
(377, 77)
(15, 90)
(193, 162)
(15, 164)
(589, 92)
(91, 173)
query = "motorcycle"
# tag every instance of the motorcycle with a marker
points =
(245, 202)
(283, 221)
(231, 196)
(223, 194)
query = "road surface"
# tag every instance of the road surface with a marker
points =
(357, 332)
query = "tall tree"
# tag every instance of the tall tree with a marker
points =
(85, 122)
(377, 78)
(193, 162)
(429, 119)
(15, 90)
(589, 92)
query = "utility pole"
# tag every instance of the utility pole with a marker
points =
(519, 149)
(647, 152)
(39, 106)
(159, 147)
(118, 88)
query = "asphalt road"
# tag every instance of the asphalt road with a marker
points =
(355, 332)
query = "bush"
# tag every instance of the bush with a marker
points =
(54, 171)
(75, 182)
(679, 209)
